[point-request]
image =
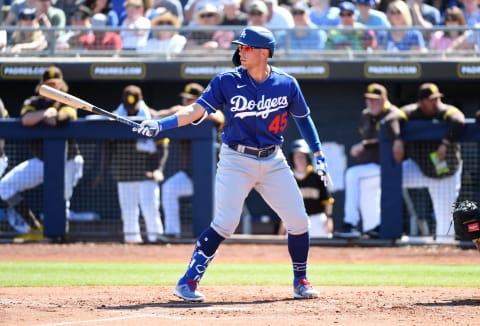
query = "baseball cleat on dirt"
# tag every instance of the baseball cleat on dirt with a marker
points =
(186, 289)
(302, 289)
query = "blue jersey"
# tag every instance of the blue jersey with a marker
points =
(256, 114)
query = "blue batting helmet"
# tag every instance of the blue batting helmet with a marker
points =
(258, 37)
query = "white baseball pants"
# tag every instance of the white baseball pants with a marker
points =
(135, 196)
(362, 195)
(443, 192)
(178, 185)
(29, 174)
(318, 225)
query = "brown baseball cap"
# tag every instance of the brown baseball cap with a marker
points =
(428, 91)
(132, 94)
(192, 91)
(52, 72)
(52, 76)
(376, 91)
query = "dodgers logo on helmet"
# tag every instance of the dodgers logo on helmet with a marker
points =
(258, 37)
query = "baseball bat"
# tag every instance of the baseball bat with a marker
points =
(78, 103)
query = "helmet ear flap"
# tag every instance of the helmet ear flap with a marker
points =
(236, 58)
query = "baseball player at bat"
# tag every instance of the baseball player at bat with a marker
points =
(256, 99)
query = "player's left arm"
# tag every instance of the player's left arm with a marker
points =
(309, 133)
(185, 115)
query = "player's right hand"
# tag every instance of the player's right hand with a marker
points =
(149, 128)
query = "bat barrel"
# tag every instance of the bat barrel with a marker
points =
(78, 103)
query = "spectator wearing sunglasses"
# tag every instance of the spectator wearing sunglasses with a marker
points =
(350, 34)
(451, 39)
(403, 37)
(209, 17)
(79, 18)
(23, 40)
(165, 37)
(192, 8)
(257, 13)
(15, 9)
(305, 36)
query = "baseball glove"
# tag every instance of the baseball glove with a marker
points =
(466, 220)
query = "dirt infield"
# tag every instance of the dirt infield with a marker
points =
(251, 305)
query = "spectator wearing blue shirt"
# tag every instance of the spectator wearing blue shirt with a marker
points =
(118, 7)
(402, 37)
(369, 16)
(305, 36)
(471, 12)
(323, 14)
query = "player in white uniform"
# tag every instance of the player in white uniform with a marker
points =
(256, 100)
(3, 157)
(38, 110)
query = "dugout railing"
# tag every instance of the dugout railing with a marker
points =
(90, 133)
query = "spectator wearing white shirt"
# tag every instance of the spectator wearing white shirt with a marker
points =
(136, 27)
(279, 17)
(3, 39)
(167, 40)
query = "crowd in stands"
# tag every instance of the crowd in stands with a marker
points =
(173, 26)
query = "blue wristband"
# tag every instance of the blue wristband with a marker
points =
(169, 122)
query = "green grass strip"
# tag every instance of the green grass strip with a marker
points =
(33, 274)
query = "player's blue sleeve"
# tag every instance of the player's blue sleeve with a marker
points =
(309, 132)
(213, 96)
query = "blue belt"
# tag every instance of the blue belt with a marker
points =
(257, 152)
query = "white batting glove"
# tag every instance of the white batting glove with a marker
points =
(149, 128)
(322, 170)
